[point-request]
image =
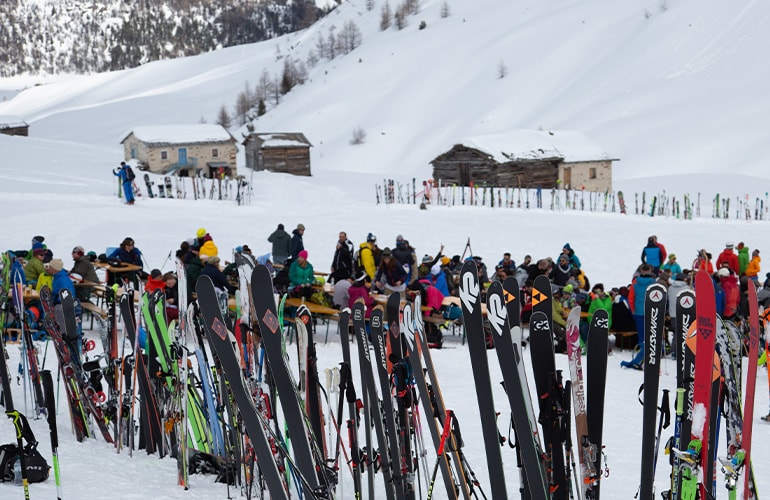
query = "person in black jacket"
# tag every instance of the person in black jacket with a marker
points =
(296, 245)
(342, 263)
(211, 269)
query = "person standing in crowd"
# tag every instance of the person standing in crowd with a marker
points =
(729, 257)
(636, 302)
(703, 262)
(83, 271)
(752, 269)
(122, 173)
(367, 255)
(342, 262)
(296, 245)
(280, 240)
(652, 255)
(743, 258)
(405, 255)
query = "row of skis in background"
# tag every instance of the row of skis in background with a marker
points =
(658, 204)
(196, 187)
(707, 398)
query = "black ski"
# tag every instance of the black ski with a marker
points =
(348, 390)
(470, 298)
(517, 391)
(313, 468)
(596, 382)
(654, 324)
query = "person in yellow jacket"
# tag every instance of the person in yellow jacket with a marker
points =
(207, 247)
(367, 256)
(752, 269)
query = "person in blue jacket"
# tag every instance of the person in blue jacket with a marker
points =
(128, 185)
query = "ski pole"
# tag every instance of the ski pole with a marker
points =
(51, 417)
(663, 422)
(20, 423)
(440, 452)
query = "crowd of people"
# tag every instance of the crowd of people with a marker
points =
(364, 270)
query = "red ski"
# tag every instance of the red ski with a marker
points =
(751, 384)
(705, 311)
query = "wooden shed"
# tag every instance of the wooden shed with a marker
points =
(287, 152)
(527, 159)
(182, 150)
(13, 125)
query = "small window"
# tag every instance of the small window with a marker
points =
(592, 173)
(164, 155)
(215, 152)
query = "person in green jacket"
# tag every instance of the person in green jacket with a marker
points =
(34, 267)
(301, 271)
(743, 258)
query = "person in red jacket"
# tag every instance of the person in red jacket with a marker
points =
(729, 257)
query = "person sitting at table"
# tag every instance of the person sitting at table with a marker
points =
(127, 253)
(341, 295)
(301, 276)
(211, 269)
(155, 282)
(390, 276)
(431, 298)
(34, 267)
(359, 289)
(172, 296)
(83, 271)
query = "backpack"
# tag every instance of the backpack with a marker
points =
(358, 265)
(36, 466)
(130, 173)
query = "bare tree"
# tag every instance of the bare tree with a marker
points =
(242, 106)
(502, 69)
(349, 37)
(359, 136)
(370, 5)
(400, 17)
(263, 89)
(385, 16)
(321, 46)
(445, 9)
(223, 118)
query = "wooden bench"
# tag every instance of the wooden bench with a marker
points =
(624, 339)
(325, 314)
(94, 309)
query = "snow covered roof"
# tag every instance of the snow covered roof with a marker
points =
(180, 134)
(280, 139)
(11, 121)
(569, 145)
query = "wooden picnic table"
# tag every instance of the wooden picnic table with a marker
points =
(122, 268)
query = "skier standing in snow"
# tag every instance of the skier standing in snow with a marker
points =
(636, 301)
(280, 240)
(128, 187)
(342, 262)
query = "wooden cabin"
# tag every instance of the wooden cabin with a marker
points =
(287, 152)
(13, 125)
(183, 150)
(526, 159)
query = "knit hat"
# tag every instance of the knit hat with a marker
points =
(303, 254)
(729, 246)
(155, 274)
(568, 288)
(427, 258)
(723, 271)
(371, 238)
(566, 246)
(55, 265)
(445, 260)
(79, 250)
(361, 277)
(213, 260)
(200, 233)
(672, 256)
(38, 239)
(300, 227)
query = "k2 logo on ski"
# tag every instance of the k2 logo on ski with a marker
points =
(496, 313)
(469, 291)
